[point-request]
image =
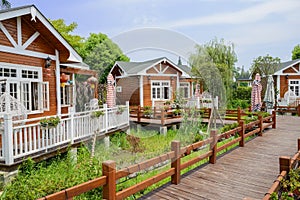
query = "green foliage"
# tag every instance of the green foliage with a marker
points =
(65, 30)
(97, 114)
(265, 65)
(50, 122)
(296, 52)
(5, 4)
(235, 103)
(119, 140)
(101, 54)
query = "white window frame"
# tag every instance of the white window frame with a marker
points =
(294, 85)
(159, 90)
(67, 95)
(182, 87)
(28, 80)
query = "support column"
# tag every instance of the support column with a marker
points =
(141, 91)
(7, 140)
(57, 78)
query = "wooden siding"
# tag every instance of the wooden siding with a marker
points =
(130, 90)
(11, 26)
(284, 83)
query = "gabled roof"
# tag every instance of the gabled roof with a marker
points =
(136, 68)
(35, 13)
(284, 65)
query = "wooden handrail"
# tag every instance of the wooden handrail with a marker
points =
(111, 175)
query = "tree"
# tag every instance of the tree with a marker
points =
(296, 52)
(101, 54)
(5, 4)
(223, 58)
(265, 65)
(75, 41)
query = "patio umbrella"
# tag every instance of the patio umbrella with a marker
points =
(110, 97)
(270, 93)
(256, 94)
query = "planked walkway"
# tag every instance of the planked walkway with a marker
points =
(244, 173)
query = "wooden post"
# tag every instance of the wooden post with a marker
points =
(274, 119)
(284, 164)
(298, 109)
(209, 113)
(175, 162)
(154, 112)
(162, 116)
(242, 134)
(238, 115)
(260, 125)
(139, 114)
(298, 144)
(109, 170)
(213, 147)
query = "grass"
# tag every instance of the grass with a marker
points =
(38, 180)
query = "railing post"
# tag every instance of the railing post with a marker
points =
(242, 133)
(72, 131)
(298, 144)
(298, 109)
(213, 147)
(109, 170)
(106, 117)
(284, 164)
(7, 140)
(162, 116)
(175, 162)
(139, 114)
(238, 115)
(128, 112)
(274, 119)
(260, 125)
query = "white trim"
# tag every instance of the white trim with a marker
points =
(280, 72)
(25, 52)
(19, 68)
(57, 76)
(14, 13)
(117, 65)
(278, 86)
(295, 69)
(161, 90)
(73, 54)
(19, 30)
(141, 91)
(6, 33)
(30, 40)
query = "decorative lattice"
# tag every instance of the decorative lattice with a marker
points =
(12, 106)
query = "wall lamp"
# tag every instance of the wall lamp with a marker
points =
(48, 62)
(287, 76)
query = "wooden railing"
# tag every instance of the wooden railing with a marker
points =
(138, 112)
(21, 139)
(111, 175)
(288, 109)
(285, 165)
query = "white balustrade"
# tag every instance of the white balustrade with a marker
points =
(27, 137)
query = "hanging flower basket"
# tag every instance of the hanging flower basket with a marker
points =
(49, 123)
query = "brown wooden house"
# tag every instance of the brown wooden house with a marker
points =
(287, 81)
(151, 82)
(37, 65)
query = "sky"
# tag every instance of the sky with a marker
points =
(255, 27)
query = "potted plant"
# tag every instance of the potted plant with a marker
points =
(177, 112)
(51, 122)
(147, 111)
(120, 110)
(97, 114)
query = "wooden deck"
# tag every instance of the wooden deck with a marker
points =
(244, 173)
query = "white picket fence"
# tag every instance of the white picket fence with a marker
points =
(25, 138)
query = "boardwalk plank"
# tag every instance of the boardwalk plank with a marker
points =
(244, 172)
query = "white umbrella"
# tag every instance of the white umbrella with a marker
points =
(270, 93)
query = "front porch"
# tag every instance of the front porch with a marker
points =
(27, 138)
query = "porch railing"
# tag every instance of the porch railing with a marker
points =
(24, 138)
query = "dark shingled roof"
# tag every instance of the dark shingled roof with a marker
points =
(288, 63)
(136, 67)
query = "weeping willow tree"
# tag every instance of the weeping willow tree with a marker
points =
(206, 70)
(223, 56)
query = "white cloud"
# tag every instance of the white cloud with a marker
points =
(252, 14)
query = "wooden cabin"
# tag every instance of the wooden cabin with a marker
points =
(151, 82)
(37, 65)
(287, 81)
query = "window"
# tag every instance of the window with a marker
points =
(25, 84)
(160, 90)
(294, 86)
(66, 95)
(184, 90)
